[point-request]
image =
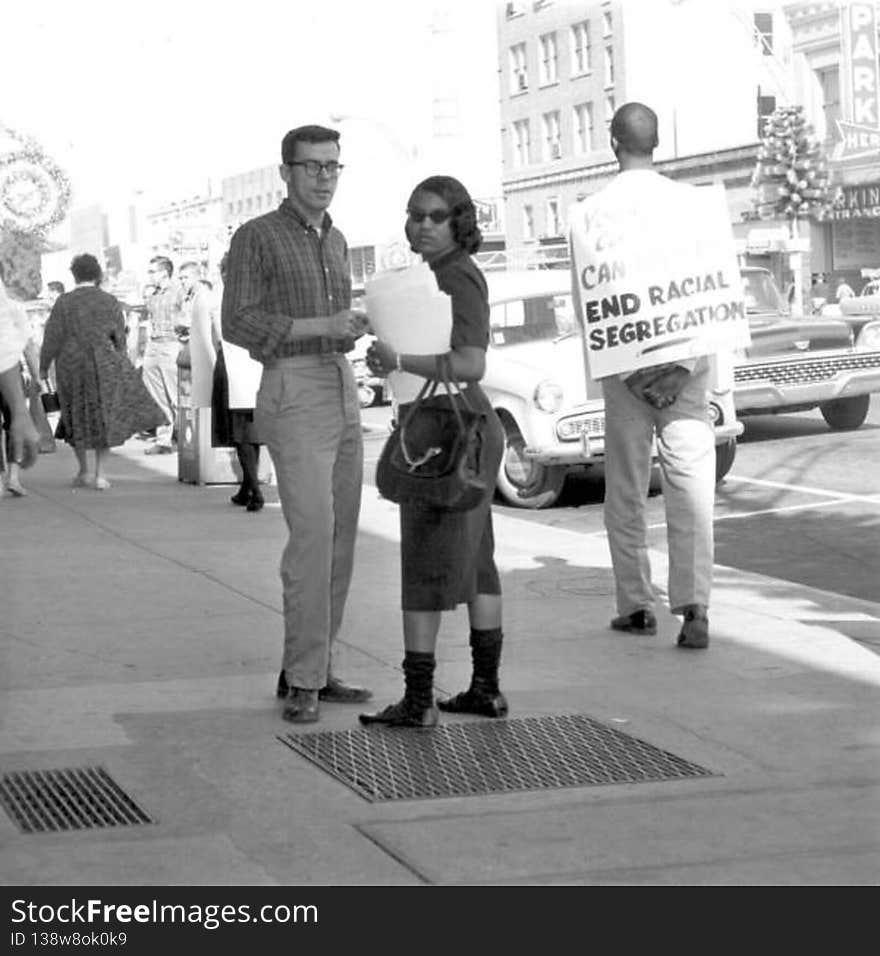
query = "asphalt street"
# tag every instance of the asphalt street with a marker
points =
(801, 503)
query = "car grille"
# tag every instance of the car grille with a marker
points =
(805, 372)
(571, 429)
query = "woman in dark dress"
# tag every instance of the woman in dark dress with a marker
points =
(447, 558)
(103, 399)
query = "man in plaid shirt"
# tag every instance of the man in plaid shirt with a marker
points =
(286, 299)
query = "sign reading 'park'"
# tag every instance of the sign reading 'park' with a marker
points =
(656, 277)
(860, 76)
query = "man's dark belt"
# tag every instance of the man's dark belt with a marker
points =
(317, 346)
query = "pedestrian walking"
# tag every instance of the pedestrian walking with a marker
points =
(21, 440)
(167, 325)
(447, 557)
(669, 402)
(287, 301)
(103, 399)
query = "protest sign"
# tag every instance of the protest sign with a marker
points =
(656, 278)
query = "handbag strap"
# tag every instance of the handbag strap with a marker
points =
(428, 390)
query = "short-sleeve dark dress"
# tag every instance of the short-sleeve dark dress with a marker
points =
(448, 557)
(102, 396)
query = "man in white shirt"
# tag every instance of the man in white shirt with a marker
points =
(667, 401)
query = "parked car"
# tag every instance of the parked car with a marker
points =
(553, 415)
(800, 363)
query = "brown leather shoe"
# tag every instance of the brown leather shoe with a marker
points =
(695, 629)
(302, 706)
(338, 692)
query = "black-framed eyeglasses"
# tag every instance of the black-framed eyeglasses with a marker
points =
(312, 167)
(435, 215)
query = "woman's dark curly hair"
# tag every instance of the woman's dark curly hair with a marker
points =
(463, 222)
(86, 268)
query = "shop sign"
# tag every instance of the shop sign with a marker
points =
(860, 78)
(856, 202)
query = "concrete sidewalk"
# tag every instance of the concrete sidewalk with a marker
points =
(141, 631)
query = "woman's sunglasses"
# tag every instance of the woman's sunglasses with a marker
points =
(435, 215)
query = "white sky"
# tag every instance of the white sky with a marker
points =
(162, 95)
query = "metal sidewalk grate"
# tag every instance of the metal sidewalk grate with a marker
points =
(460, 759)
(83, 798)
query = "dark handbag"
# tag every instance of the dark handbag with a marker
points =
(50, 402)
(434, 456)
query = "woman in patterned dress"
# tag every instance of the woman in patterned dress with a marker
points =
(103, 399)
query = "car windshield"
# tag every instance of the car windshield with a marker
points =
(538, 319)
(760, 293)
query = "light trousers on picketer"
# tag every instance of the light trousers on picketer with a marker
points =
(308, 415)
(686, 453)
(160, 377)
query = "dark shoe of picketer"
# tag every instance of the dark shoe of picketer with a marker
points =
(335, 691)
(639, 622)
(255, 502)
(475, 700)
(241, 497)
(402, 714)
(302, 706)
(695, 628)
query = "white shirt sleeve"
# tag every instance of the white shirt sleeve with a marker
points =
(14, 331)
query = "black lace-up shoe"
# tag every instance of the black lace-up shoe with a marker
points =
(639, 622)
(402, 714)
(473, 701)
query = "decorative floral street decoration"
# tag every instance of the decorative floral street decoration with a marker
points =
(791, 178)
(34, 191)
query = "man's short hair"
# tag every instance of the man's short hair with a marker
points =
(164, 263)
(189, 265)
(86, 268)
(306, 134)
(634, 126)
(55, 286)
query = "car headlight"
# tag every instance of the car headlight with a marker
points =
(869, 337)
(548, 396)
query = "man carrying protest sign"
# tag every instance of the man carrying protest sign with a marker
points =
(653, 276)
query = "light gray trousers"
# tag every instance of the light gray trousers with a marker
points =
(686, 453)
(308, 415)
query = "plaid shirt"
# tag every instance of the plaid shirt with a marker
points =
(281, 269)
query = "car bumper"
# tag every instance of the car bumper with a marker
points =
(590, 449)
(808, 381)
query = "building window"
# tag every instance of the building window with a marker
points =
(554, 223)
(829, 83)
(547, 47)
(583, 127)
(519, 76)
(580, 48)
(521, 145)
(362, 263)
(528, 222)
(764, 32)
(609, 65)
(607, 24)
(609, 110)
(552, 146)
(766, 105)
